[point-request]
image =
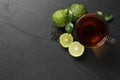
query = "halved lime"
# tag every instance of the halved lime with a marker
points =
(66, 40)
(76, 49)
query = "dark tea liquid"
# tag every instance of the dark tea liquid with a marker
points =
(91, 30)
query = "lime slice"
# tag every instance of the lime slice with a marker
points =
(66, 40)
(76, 49)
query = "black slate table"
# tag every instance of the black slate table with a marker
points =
(28, 53)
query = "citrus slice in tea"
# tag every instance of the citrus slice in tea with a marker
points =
(76, 49)
(66, 40)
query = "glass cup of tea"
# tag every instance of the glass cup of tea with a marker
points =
(92, 31)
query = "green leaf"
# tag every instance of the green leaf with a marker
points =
(69, 16)
(99, 13)
(108, 17)
(69, 28)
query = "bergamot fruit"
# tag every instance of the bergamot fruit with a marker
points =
(66, 40)
(59, 18)
(78, 10)
(76, 49)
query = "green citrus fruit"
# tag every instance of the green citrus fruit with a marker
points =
(76, 49)
(59, 18)
(66, 40)
(78, 10)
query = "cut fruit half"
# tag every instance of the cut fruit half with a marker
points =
(66, 40)
(76, 49)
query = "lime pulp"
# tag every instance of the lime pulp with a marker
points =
(76, 49)
(66, 40)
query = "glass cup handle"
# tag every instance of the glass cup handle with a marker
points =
(111, 40)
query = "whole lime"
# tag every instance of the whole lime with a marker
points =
(78, 10)
(59, 18)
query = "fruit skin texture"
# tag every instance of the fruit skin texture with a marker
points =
(76, 49)
(59, 18)
(66, 40)
(78, 10)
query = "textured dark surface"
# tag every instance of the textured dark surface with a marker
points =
(27, 52)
